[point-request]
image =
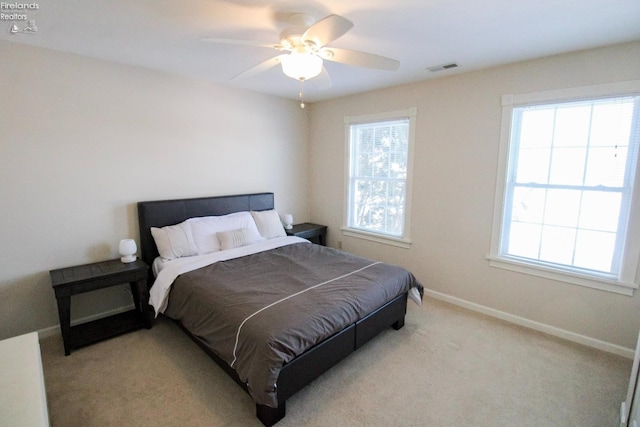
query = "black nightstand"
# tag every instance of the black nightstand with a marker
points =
(315, 233)
(90, 277)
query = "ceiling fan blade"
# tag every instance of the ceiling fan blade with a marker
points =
(241, 42)
(263, 66)
(327, 30)
(322, 81)
(360, 59)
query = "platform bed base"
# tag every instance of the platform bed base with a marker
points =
(302, 370)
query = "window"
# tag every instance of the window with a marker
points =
(379, 153)
(568, 192)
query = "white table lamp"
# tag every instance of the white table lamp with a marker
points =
(127, 249)
(288, 221)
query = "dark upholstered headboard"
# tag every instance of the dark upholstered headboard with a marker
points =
(168, 212)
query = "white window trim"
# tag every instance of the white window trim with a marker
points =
(405, 240)
(630, 275)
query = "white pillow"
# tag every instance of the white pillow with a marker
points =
(236, 238)
(269, 223)
(174, 241)
(205, 228)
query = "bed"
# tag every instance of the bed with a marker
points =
(314, 305)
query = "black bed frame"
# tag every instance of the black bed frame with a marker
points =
(299, 372)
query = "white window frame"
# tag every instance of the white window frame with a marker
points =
(403, 241)
(629, 276)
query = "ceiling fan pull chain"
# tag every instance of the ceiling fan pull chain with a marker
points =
(301, 93)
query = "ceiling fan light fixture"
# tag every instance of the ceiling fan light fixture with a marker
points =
(301, 66)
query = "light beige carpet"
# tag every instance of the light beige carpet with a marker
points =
(446, 367)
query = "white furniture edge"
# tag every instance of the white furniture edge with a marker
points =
(23, 400)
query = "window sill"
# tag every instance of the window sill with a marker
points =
(602, 284)
(379, 238)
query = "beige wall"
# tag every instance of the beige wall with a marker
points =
(71, 127)
(456, 154)
(81, 141)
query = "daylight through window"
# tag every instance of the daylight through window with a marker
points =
(378, 176)
(569, 185)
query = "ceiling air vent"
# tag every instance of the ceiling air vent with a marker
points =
(442, 67)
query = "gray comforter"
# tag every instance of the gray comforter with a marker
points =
(260, 311)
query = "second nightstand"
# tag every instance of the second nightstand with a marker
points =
(85, 278)
(315, 233)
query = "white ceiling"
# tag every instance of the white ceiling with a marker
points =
(166, 35)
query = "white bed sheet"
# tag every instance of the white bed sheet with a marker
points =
(168, 271)
(157, 265)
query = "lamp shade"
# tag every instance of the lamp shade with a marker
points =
(288, 221)
(301, 66)
(127, 249)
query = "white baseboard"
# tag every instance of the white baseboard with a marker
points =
(532, 324)
(55, 330)
(527, 323)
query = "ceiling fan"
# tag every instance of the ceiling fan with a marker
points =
(304, 47)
